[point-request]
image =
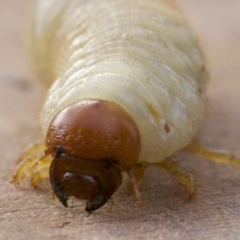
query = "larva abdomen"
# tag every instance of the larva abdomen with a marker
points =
(139, 54)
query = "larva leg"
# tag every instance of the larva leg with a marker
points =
(138, 173)
(33, 150)
(203, 152)
(28, 159)
(184, 178)
(40, 173)
(37, 164)
(135, 187)
(112, 205)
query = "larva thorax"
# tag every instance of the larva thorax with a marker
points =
(139, 54)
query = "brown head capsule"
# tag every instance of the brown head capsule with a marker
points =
(92, 141)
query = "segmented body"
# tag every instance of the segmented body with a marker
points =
(139, 54)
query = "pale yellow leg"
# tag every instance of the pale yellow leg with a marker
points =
(29, 158)
(33, 151)
(42, 162)
(38, 174)
(110, 209)
(135, 187)
(215, 156)
(138, 173)
(184, 178)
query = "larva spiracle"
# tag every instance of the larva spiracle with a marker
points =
(127, 90)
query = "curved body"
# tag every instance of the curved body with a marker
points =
(127, 90)
(140, 54)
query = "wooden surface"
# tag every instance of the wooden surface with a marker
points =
(215, 212)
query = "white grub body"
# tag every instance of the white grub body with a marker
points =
(139, 54)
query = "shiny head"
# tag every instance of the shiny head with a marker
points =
(91, 141)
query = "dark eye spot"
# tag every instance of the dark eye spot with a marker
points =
(58, 150)
(109, 161)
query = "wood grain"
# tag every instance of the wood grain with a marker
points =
(214, 214)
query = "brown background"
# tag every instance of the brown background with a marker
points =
(213, 214)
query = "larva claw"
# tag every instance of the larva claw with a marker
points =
(97, 202)
(60, 193)
(91, 180)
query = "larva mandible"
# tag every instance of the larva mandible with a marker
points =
(128, 91)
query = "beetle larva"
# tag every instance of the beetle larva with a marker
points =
(128, 91)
